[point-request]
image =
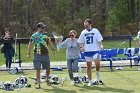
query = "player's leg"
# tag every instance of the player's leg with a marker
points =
(46, 65)
(97, 63)
(69, 66)
(7, 59)
(37, 67)
(89, 69)
(38, 78)
(10, 57)
(75, 65)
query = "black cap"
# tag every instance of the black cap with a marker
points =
(40, 25)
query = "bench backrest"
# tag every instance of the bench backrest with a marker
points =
(112, 54)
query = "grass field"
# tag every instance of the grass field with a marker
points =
(115, 82)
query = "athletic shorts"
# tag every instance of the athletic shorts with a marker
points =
(41, 61)
(92, 58)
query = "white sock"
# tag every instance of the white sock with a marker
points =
(98, 75)
(89, 81)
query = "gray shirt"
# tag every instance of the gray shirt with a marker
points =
(72, 47)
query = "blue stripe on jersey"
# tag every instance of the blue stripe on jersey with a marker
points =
(91, 53)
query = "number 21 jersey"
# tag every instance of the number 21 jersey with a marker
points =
(90, 39)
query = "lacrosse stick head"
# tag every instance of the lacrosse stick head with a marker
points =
(58, 38)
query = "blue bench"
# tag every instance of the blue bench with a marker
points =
(117, 54)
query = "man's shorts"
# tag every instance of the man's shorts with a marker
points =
(41, 60)
(91, 56)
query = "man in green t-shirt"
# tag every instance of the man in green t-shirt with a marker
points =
(40, 41)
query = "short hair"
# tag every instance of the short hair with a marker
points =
(89, 21)
(7, 29)
(73, 31)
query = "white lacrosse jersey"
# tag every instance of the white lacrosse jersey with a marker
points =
(138, 35)
(90, 39)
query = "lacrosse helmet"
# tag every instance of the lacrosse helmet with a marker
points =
(85, 79)
(54, 78)
(76, 79)
(21, 80)
(43, 75)
(8, 86)
(13, 70)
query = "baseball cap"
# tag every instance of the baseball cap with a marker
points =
(40, 25)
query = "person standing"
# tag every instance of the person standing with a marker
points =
(41, 41)
(8, 49)
(72, 53)
(91, 44)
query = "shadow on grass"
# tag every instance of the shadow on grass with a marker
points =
(58, 90)
(104, 89)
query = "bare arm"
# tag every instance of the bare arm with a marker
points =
(52, 47)
(29, 49)
(81, 46)
(101, 45)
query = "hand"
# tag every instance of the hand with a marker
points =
(7, 35)
(82, 49)
(56, 41)
(53, 52)
(101, 47)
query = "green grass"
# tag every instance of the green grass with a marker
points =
(115, 82)
(60, 55)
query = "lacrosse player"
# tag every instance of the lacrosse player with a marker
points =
(91, 43)
(40, 40)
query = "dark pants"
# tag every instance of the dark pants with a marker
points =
(8, 54)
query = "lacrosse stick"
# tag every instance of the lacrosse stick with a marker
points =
(15, 49)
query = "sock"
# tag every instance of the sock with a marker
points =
(98, 75)
(89, 81)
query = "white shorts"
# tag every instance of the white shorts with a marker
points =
(90, 59)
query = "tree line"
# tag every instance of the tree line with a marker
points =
(111, 17)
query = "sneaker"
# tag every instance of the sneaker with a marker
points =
(72, 83)
(38, 86)
(48, 82)
(89, 84)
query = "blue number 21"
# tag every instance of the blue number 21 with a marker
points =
(89, 40)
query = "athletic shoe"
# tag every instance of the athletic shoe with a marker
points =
(89, 84)
(38, 86)
(48, 82)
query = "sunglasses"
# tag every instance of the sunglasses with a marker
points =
(71, 35)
